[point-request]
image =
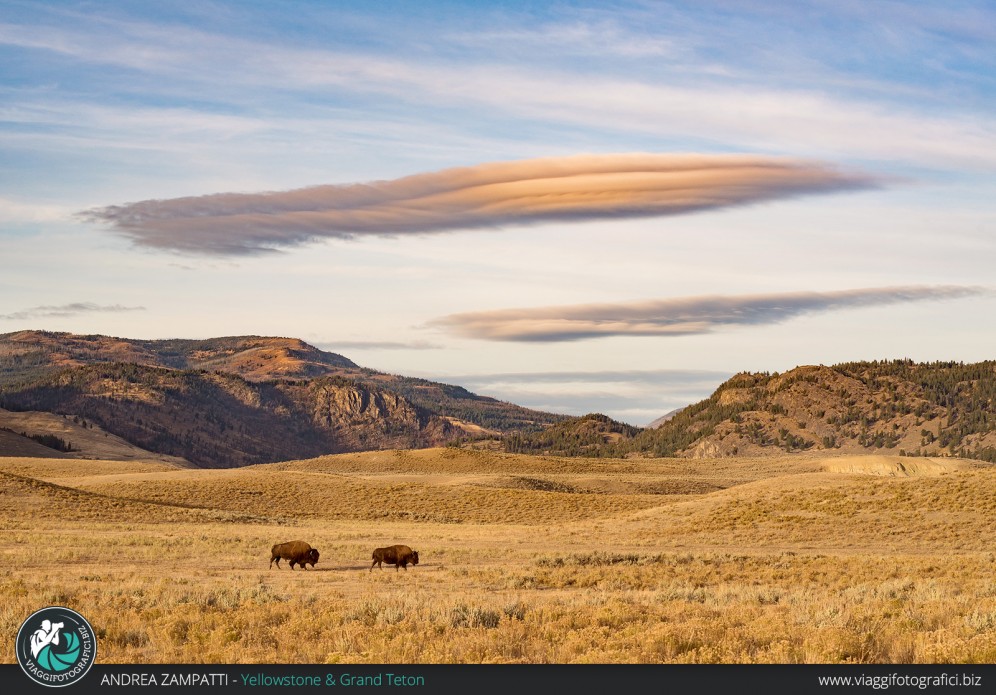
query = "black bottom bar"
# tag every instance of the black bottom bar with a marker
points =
(445, 679)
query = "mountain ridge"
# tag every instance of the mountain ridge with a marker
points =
(257, 358)
(241, 400)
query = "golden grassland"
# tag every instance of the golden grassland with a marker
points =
(523, 559)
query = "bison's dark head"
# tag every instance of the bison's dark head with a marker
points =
(313, 556)
(414, 557)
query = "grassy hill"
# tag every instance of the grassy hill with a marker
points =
(575, 437)
(937, 409)
(801, 558)
(898, 407)
(69, 436)
(14, 443)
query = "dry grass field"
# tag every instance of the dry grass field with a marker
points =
(523, 559)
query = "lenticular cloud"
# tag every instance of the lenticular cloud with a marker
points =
(681, 315)
(483, 196)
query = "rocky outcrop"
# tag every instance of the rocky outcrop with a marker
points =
(222, 420)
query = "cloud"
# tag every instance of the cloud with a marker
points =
(576, 38)
(581, 187)
(64, 310)
(721, 86)
(14, 211)
(611, 376)
(634, 396)
(378, 345)
(677, 317)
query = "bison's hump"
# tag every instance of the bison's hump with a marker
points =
(291, 549)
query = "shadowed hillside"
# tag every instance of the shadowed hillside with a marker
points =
(27, 356)
(240, 400)
(20, 444)
(221, 420)
(71, 436)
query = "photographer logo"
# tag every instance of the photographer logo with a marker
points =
(56, 646)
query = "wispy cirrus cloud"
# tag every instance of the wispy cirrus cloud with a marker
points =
(18, 211)
(680, 316)
(487, 195)
(63, 310)
(575, 38)
(718, 85)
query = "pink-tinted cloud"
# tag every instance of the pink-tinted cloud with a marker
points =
(483, 196)
(677, 317)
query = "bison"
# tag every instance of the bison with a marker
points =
(297, 552)
(397, 555)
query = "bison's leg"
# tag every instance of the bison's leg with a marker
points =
(278, 562)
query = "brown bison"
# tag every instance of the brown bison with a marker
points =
(296, 552)
(397, 555)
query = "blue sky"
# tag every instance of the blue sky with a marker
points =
(103, 105)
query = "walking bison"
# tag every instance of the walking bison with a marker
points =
(295, 552)
(397, 555)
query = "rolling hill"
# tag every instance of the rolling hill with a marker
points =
(896, 407)
(575, 437)
(804, 558)
(47, 435)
